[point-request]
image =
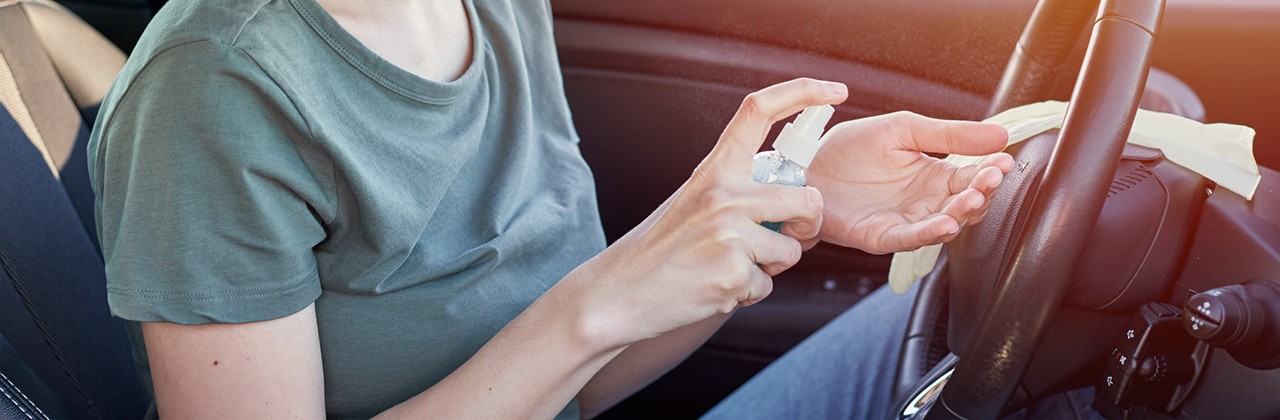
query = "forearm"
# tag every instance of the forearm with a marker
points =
(642, 363)
(532, 368)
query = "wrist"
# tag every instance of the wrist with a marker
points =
(592, 323)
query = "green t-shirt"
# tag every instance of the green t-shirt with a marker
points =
(253, 157)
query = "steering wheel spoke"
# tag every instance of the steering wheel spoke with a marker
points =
(1063, 211)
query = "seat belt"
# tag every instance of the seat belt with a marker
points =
(54, 304)
(37, 98)
(13, 103)
(52, 280)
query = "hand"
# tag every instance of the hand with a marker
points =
(704, 251)
(883, 195)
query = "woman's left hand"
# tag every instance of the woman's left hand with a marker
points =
(883, 194)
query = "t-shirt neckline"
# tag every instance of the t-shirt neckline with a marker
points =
(389, 75)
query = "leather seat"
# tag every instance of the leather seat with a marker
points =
(62, 354)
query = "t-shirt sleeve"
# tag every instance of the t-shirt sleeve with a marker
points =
(211, 195)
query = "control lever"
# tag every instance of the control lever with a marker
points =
(1243, 319)
(1154, 365)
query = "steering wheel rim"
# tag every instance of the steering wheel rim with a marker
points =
(1064, 210)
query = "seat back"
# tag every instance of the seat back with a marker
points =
(53, 306)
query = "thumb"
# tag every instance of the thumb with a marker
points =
(969, 138)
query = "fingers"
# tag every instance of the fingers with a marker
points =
(760, 110)
(934, 229)
(773, 252)
(977, 215)
(962, 205)
(970, 138)
(799, 208)
(985, 182)
(1004, 161)
(759, 286)
(769, 253)
(937, 228)
(807, 239)
(985, 175)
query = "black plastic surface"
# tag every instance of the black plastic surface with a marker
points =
(1237, 240)
(1141, 237)
(1070, 197)
(1229, 390)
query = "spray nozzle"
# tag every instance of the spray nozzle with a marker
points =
(799, 139)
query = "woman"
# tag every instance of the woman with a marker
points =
(351, 208)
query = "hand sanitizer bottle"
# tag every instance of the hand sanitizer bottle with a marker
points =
(792, 152)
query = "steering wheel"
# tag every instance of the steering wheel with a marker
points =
(1063, 212)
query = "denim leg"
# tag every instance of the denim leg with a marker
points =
(844, 370)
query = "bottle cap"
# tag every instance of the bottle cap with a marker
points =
(799, 139)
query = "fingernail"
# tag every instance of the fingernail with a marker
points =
(837, 89)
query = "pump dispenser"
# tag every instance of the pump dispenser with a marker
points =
(792, 152)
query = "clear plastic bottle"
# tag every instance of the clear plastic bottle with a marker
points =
(792, 152)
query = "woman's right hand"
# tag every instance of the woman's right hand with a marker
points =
(704, 251)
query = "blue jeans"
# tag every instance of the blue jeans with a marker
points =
(846, 371)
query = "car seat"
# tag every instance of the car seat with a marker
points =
(62, 354)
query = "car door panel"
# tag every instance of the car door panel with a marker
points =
(1228, 51)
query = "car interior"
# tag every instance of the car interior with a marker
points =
(1099, 265)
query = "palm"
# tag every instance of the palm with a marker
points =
(883, 195)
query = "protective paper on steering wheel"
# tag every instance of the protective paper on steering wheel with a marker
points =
(1223, 153)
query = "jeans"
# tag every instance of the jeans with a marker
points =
(846, 371)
